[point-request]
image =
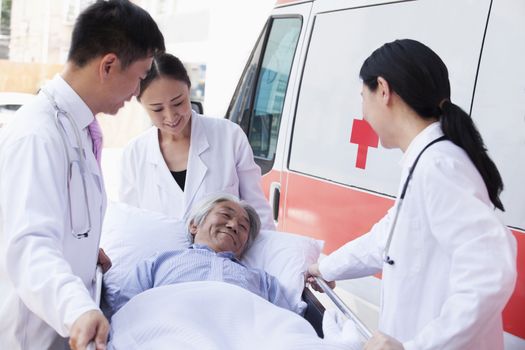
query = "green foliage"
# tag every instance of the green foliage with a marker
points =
(5, 16)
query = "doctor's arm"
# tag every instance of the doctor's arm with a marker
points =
(482, 257)
(34, 198)
(249, 174)
(360, 257)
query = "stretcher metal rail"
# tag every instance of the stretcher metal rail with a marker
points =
(361, 327)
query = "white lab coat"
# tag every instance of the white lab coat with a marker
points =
(220, 160)
(52, 271)
(455, 262)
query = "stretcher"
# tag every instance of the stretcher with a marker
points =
(313, 314)
(211, 315)
(283, 255)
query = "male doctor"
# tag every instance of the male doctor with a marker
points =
(52, 197)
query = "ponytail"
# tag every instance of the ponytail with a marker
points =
(459, 128)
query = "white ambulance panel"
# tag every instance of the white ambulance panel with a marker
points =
(499, 103)
(330, 101)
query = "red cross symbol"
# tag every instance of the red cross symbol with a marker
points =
(364, 136)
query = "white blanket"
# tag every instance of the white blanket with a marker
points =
(209, 315)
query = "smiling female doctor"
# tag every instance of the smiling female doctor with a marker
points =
(448, 263)
(185, 155)
(52, 197)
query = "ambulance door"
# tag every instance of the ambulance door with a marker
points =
(261, 104)
(499, 113)
(341, 181)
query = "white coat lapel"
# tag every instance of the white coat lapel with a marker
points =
(96, 172)
(168, 193)
(197, 168)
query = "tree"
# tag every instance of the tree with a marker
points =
(5, 17)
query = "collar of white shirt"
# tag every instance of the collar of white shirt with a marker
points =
(227, 254)
(427, 135)
(67, 99)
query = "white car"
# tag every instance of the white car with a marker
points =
(10, 102)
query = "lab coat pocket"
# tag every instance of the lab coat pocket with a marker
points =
(409, 247)
(417, 242)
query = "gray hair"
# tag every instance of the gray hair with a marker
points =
(200, 211)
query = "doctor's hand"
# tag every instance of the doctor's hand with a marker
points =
(313, 271)
(91, 325)
(103, 260)
(381, 341)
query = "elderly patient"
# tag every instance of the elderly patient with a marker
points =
(221, 228)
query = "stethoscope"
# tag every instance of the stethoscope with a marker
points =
(81, 232)
(386, 257)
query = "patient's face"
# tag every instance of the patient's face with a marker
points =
(226, 228)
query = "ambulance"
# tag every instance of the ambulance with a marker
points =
(324, 171)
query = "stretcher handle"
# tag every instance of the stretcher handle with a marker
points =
(98, 284)
(361, 327)
(98, 293)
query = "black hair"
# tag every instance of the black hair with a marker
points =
(114, 26)
(165, 64)
(417, 75)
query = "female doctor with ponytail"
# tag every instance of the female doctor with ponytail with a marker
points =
(448, 264)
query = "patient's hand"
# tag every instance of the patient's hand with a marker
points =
(103, 260)
(313, 271)
(91, 325)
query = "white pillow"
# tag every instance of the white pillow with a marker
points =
(287, 257)
(131, 235)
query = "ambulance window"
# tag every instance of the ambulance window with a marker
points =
(266, 79)
(240, 105)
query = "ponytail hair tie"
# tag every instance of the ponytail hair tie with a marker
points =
(442, 103)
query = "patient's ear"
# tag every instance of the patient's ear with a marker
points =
(192, 228)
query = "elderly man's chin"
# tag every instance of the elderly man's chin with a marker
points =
(227, 242)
